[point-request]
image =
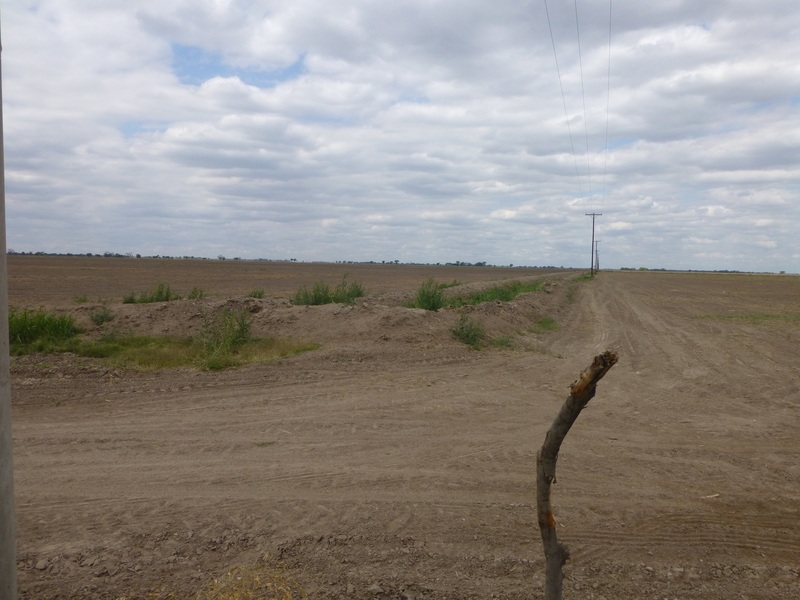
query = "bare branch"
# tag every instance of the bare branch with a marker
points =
(581, 391)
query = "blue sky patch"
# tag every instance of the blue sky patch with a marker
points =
(194, 65)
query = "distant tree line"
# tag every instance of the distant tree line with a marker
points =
(482, 263)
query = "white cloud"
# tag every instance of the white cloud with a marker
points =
(418, 131)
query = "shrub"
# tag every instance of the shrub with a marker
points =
(162, 293)
(347, 293)
(258, 294)
(470, 332)
(101, 315)
(222, 335)
(319, 294)
(196, 294)
(429, 295)
(344, 293)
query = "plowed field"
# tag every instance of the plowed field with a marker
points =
(396, 462)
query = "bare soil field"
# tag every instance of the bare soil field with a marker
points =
(396, 462)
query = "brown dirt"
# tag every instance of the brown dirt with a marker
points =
(394, 462)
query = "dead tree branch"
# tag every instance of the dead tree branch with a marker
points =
(581, 391)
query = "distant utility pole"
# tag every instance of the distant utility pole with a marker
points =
(596, 256)
(593, 215)
(8, 540)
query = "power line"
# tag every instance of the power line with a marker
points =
(583, 96)
(608, 109)
(563, 99)
(593, 214)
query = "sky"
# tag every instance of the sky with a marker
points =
(426, 131)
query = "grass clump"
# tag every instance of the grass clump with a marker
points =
(257, 294)
(225, 341)
(430, 295)
(38, 330)
(321, 293)
(502, 342)
(469, 331)
(196, 294)
(222, 335)
(545, 325)
(347, 293)
(502, 293)
(262, 581)
(101, 315)
(141, 352)
(162, 293)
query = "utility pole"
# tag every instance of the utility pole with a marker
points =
(596, 257)
(8, 540)
(593, 215)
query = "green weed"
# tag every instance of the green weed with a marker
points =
(101, 315)
(583, 277)
(162, 293)
(38, 330)
(196, 294)
(545, 325)
(81, 299)
(470, 332)
(502, 342)
(321, 293)
(225, 341)
(222, 335)
(502, 293)
(258, 294)
(429, 296)
(347, 293)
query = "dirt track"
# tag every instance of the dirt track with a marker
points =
(396, 463)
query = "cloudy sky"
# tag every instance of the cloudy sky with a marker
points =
(420, 131)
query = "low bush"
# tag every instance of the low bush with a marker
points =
(101, 315)
(469, 331)
(347, 293)
(321, 293)
(162, 293)
(430, 295)
(222, 335)
(196, 294)
(258, 294)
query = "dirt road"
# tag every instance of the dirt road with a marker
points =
(394, 462)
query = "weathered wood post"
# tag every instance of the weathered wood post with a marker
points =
(8, 563)
(581, 391)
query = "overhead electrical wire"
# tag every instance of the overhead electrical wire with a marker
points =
(608, 110)
(563, 99)
(583, 95)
